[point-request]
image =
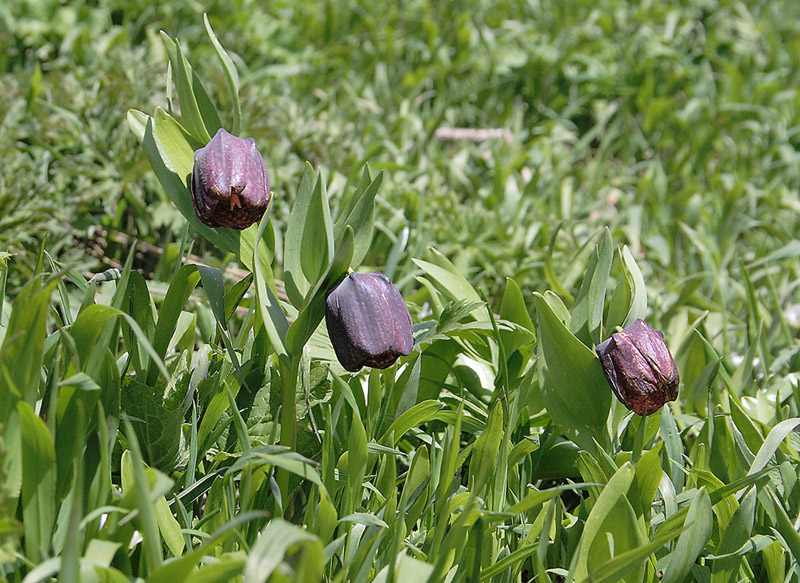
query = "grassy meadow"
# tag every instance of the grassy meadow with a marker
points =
(531, 175)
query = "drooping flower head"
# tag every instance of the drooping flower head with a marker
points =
(230, 186)
(368, 322)
(640, 368)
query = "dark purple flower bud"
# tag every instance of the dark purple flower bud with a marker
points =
(368, 322)
(230, 186)
(639, 368)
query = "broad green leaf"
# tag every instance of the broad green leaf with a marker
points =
(699, 525)
(157, 414)
(575, 391)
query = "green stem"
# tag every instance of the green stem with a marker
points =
(288, 419)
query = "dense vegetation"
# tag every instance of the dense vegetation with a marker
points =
(530, 175)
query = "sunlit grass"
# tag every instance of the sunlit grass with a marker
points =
(657, 141)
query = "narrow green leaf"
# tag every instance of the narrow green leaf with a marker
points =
(141, 487)
(790, 539)
(360, 215)
(179, 569)
(539, 497)
(633, 275)
(483, 462)
(771, 444)
(508, 561)
(23, 346)
(417, 415)
(235, 295)
(211, 278)
(611, 514)
(365, 519)
(356, 460)
(414, 496)
(271, 547)
(623, 563)
(297, 285)
(183, 78)
(178, 293)
(735, 535)
(38, 483)
(313, 309)
(587, 315)
(317, 241)
(513, 309)
(231, 76)
(699, 524)
(453, 285)
(269, 309)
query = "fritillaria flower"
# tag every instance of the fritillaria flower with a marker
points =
(639, 368)
(368, 322)
(230, 186)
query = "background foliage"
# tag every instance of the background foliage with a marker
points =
(646, 164)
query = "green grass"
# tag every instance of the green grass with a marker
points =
(191, 423)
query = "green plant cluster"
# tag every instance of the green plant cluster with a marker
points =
(201, 429)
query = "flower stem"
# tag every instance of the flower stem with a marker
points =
(288, 420)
